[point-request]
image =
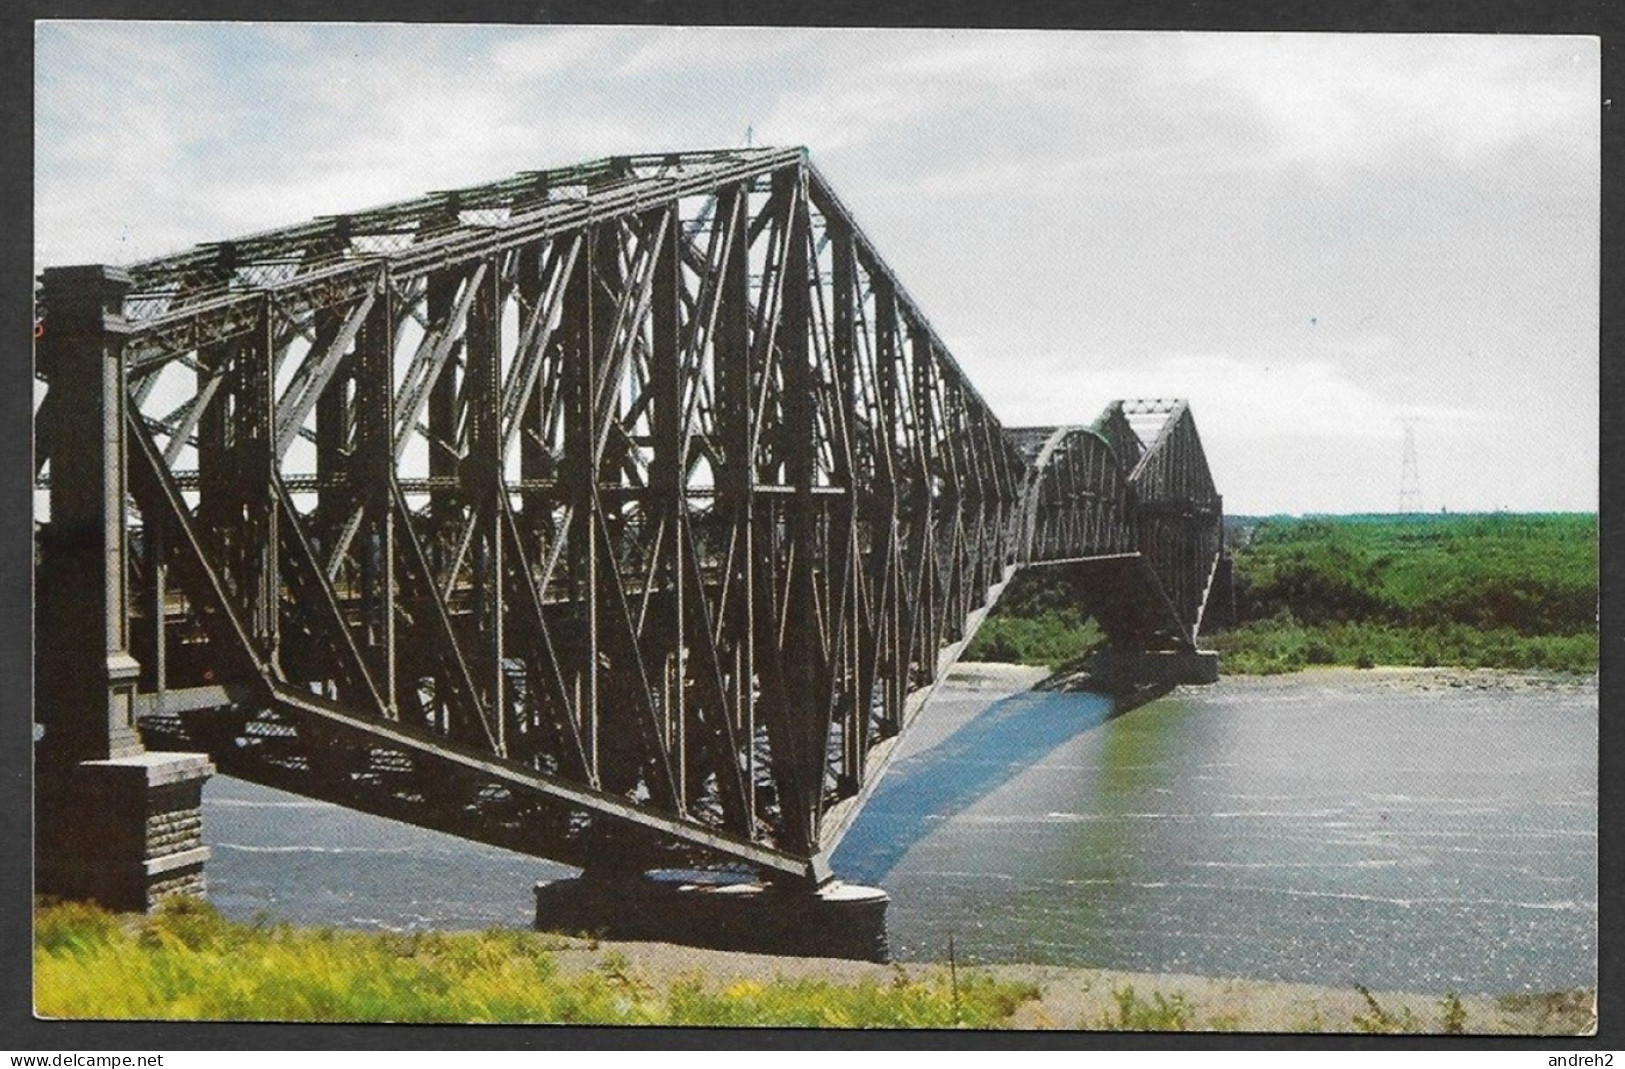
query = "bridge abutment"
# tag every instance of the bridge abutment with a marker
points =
(113, 822)
(123, 832)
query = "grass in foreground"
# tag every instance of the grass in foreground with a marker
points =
(1335, 1012)
(186, 962)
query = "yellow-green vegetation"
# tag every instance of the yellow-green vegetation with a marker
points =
(1552, 1011)
(1377, 1018)
(1176, 1012)
(1159, 1013)
(979, 1002)
(1282, 644)
(187, 962)
(1453, 1015)
(1478, 591)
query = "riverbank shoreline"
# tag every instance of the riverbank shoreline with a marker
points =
(1411, 679)
(284, 972)
(1074, 998)
(996, 675)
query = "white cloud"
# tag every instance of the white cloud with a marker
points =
(859, 114)
(1139, 196)
(546, 52)
(667, 49)
(1234, 398)
(1334, 100)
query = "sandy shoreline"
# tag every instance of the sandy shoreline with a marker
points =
(1081, 998)
(987, 675)
(1400, 677)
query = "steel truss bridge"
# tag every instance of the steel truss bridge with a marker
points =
(622, 514)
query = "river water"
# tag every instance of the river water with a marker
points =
(1323, 828)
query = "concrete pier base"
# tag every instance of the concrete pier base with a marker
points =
(837, 920)
(123, 832)
(1168, 668)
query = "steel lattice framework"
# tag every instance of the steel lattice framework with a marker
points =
(1130, 500)
(622, 514)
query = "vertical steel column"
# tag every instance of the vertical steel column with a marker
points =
(157, 561)
(86, 674)
(735, 476)
(578, 355)
(535, 463)
(254, 424)
(895, 642)
(848, 551)
(667, 508)
(440, 293)
(440, 297)
(335, 493)
(373, 463)
(926, 603)
(480, 476)
(803, 716)
(617, 695)
(216, 474)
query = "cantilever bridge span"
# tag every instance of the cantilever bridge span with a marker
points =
(622, 514)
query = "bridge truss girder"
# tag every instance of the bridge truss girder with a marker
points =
(657, 494)
(621, 514)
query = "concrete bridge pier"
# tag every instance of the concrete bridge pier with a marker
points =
(720, 912)
(1154, 667)
(113, 822)
(123, 832)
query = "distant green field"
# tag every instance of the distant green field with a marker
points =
(1497, 590)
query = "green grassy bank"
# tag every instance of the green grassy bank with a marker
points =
(186, 962)
(1483, 591)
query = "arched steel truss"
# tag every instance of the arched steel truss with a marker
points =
(1138, 505)
(621, 514)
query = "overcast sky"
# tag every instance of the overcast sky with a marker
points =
(1310, 236)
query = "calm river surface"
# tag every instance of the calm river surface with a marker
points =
(1333, 829)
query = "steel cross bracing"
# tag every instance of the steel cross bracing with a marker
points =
(621, 514)
(1130, 494)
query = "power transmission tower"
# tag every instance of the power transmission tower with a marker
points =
(1410, 491)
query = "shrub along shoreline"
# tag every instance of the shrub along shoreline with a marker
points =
(1479, 591)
